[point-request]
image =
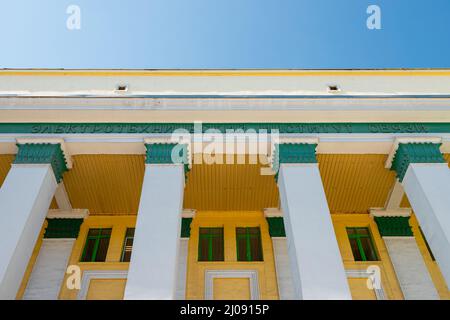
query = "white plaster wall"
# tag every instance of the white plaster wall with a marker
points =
(283, 270)
(180, 293)
(25, 197)
(412, 273)
(49, 270)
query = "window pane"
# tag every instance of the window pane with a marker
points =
(88, 250)
(130, 232)
(241, 243)
(102, 250)
(203, 247)
(217, 247)
(127, 250)
(255, 247)
(355, 250)
(94, 232)
(363, 231)
(106, 232)
(368, 249)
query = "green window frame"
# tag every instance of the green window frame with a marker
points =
(96, 245)
(361, 243)
(426, 243)
(127, 245)
(248, 244)
(211, 244)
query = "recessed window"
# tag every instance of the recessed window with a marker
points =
(333, 88)
(362, 244)
(127, 245)
(121, 88)
(96, 246)
(210, 245)
(248, 242)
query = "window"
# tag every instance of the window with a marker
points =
(127, 245)
(428, 246)
(210, 245)
(96, 246)
(248, 242)
(362, 245)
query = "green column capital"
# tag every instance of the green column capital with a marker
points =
(393, 226)
(167, 153)
(293, 153)
(407, 153)
(58, 228)
(43, 153)
(276, 226)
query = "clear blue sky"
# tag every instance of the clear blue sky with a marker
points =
(225, 34)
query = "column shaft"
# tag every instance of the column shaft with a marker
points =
(316, 263)
(153, 266)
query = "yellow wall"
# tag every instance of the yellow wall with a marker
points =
(229, 220)
(115, 288)
(388, 278)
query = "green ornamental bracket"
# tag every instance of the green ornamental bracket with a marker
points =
(293, 153)
(394, 226)
(276, 226)
(186, 227)
(167, 153)
(415, 153)
(62, 228)
(40, 153)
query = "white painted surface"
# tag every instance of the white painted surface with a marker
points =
(395, 196)
(180, 293)
(412, 273)
(316, 263)
(62, 198)
(283, 269)
(25, 197)
(152, 273)
(49, 270)
(427, 186)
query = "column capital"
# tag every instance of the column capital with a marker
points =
(413, 150)
(293, 151)
(166, 152)
(392, 223)
(51, 152)
(64, 224)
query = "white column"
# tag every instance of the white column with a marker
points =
(49, 270)
(283, 269)
(427, 186)
(153, 266)
(25, 197)
(316, 263)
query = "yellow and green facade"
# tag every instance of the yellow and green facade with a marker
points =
(225, 184)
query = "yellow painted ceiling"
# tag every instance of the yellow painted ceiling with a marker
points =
(111, 184)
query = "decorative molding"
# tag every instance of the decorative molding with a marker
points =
(40, 153)
(67, 228)
(406, 153)
(404, 140)
(59, 141)
(161, 153)
(304, 152)
(276, 226)
(393, 226)
(67, 214)
(272, 212)
(379, 292)
(282, 128)
(381, 212)
(89, 275)
(252, 275)
(186, 227)
(188, 213)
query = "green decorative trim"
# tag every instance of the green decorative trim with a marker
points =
(186, 227)
(415, 153)
(43, 153)
(161, 153)
(118, 128)
(394, 226)
(276, 226)
(63, 228)
(293, 153)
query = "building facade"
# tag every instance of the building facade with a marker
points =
(225, 184)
